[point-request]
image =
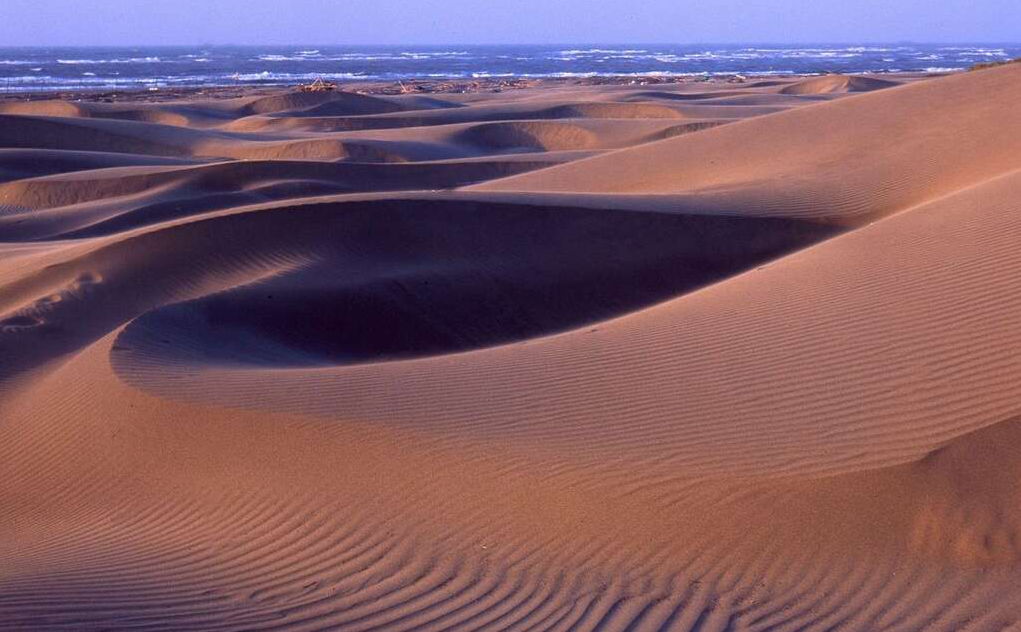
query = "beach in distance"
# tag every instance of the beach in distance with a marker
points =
(692, 344)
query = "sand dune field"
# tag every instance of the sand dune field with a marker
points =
(636, 358)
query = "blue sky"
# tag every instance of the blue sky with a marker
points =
(138, 22)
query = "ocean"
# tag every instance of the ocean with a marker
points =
(35, 69)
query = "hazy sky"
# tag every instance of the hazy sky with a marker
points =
(133, 22)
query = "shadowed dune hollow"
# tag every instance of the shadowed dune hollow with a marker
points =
(416, 277)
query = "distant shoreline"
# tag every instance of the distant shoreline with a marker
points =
(439, 85)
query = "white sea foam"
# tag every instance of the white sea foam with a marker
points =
(984, 53)
(267, 75)
(605, 51)
(132, 60)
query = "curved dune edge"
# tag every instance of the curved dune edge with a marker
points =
(432, 275)
(759, 377)
(727, 352)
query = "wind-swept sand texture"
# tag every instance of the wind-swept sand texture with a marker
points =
(703, 357)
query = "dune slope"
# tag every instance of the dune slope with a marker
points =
(848, 161)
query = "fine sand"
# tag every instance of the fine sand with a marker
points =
(685, 356)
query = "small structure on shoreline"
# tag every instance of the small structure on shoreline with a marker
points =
(319, 85)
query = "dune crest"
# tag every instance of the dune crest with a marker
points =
(837, 83)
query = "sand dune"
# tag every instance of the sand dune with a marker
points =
(316, 149)
(531, 136)
(841, 161)
(44, 108)
(698, 357)
(837, 83)
(18, 164)
(319, 103)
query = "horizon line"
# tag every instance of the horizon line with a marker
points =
(577, 43)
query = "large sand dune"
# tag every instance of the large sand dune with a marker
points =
(698, 357)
